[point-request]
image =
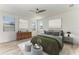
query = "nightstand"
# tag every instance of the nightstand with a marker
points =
(68, 40)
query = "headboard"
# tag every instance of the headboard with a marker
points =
(54, 32)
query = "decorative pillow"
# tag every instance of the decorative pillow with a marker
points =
(54, 32)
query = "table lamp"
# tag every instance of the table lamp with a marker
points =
(68, 34)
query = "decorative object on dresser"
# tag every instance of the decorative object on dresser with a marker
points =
(23, 35)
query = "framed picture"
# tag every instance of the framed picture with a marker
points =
(8, 23)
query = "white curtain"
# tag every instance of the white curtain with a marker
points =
(55, 23)
(23, 24)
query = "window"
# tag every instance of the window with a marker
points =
(8, 23)
(41, 24)
(55, 23)
(34, 23)
(23, 25)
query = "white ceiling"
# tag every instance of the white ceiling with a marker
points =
(23, 9)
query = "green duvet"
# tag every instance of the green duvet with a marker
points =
(50, 45)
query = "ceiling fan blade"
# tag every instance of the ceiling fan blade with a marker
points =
(41, 11)
(37, 11)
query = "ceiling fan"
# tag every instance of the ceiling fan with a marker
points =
(37, 10)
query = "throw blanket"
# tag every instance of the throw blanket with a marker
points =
(58, 38)
(50, 45)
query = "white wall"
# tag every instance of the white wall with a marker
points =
(8, 36)
(70, 22)
(5, 36)
(1, 24)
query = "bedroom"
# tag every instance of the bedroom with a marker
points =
(16, 18)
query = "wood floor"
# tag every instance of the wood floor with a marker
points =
(11, 48)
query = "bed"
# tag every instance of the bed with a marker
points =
(51, 44)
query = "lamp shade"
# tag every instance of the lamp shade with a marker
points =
(68, 32)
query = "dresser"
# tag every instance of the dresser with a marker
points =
(23, 35)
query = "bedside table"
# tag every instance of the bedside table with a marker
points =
(68, 40)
